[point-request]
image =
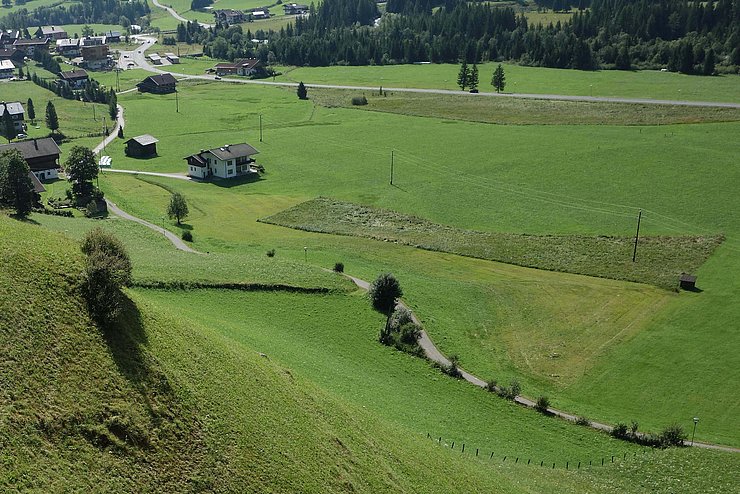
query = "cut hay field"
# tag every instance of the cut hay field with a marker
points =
(535, 80)
(627, 352)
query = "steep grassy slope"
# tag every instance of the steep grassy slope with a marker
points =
(159, 405)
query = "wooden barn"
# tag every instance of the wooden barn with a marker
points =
(143, 146)
(687, 282)
(158, 84)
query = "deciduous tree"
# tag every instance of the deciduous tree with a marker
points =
(81, 169)
(16, 188)
(107, 270)
(178, 208)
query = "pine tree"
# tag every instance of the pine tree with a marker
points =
(498, 81)
(302, 91)
(30, 109)
(473, 80)
(52, 121)
(709, 62)
(463, 77)
(7, 126)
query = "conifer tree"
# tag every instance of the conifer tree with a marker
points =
(473, 79)
(499, 79)
(31, 110)
(52, 121)
(302, 91)
(463, 77)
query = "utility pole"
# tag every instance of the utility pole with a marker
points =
(118, 82)
(93, 105)
(177, 102)
(637, 235)
(105, 134)
(392, 159)
(260, 127)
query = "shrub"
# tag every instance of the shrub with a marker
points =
(187, 236)
(543, 403)
(270, 253)
(619, 431)
(583, 421)
(409, 333)
(510, 392)
(673, 435)
(359, 100)
(491, 386)
(107, 269)
(339, 267)
(400, 317)
(452, 369)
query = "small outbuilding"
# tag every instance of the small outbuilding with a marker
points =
(158, 84)
(143, 146)
(687, 282)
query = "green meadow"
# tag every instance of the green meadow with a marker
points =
(597, 347)
(535, 80)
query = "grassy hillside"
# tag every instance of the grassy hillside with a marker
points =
(155, 404)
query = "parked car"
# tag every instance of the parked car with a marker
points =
(474, 91)
(217, 78)
(21, 136)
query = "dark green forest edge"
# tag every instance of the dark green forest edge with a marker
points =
(661, 260)
(690, 37)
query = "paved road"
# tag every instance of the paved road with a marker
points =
(433, 353)
(178, 176)
(113, 133)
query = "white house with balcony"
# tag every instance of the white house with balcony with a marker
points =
(228, 161)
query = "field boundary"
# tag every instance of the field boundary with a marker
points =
(246, 287)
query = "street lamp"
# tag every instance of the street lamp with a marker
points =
(696, 421)
(591, 89)
(305, 254)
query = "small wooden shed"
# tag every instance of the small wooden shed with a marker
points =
(143, 146)
(687, 282)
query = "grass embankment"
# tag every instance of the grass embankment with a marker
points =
(536, 80)
(662, 259)
(510, 111)
(155, 404)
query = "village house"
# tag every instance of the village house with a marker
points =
(52, 32)
(15, 56)
(69, 47)
(258, 14)
(42, 156)
(17, 114)
(6, 69)
(143, 146)
(94, 50)
(229, 161)
(31, 46)
(295, 9)
(229, 16)
(158, 84)
(75, 79)
(8, 38)
(113, 36)
(243, 66)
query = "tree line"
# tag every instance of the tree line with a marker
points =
(691, 37)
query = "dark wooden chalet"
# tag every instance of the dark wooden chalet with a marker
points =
(42, 156)
(687, 282)
(158, 84)
(143, 146)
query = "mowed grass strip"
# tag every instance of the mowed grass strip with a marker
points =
(483, 109)
(661, 259)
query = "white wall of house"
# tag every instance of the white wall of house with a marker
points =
(46, 174)
(197, 171)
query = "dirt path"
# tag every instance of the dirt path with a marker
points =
(433, 354)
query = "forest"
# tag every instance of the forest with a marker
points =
(689, 37)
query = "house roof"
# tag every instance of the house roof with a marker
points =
(688, 278)
(199, 161)
(143, 140)
(31, 42)
(247, 63)
(68, 42)
(113, 34)
(38, 187)
(6, 65)
(231, 151)
(9, 53)
(34, 148)
(14, 108)
(74, 74)
(49, 30)
(161, 79)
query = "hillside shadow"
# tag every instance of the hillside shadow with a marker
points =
(126, 339)
(227, 183)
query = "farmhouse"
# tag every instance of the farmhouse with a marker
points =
(231, 160)
(94, 52)
(142, 146)
(229, 16)
(8, 38)
(69, 47)
(113, 36)
(42, 156)
(158, 84)
(244, 66)
(31, 46)
(295, 8)
(260, 14)
(52, 32)
(15, 109)
(6, 69)
(11, 54)
(75, 79)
